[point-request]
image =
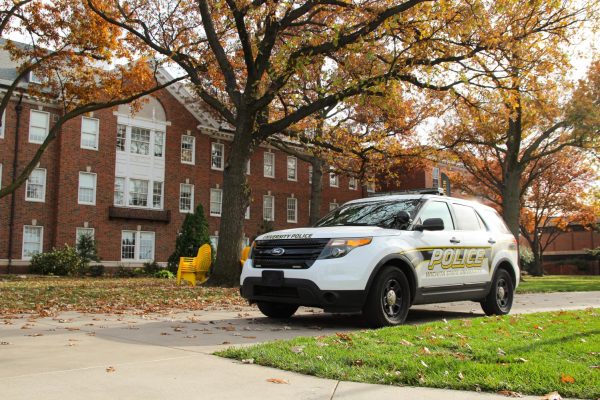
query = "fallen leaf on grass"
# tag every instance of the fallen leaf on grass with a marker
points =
(510, 393)
(278, 381)
(297, 349)
(358, 363)
(461, 376)
(404, 342)
(591, 366)
(520, 359)
(425, 350)
(552, 396)
(110, 369)
(501, 353)
(343, 336)
(566, 378)
(424, 364)
(248, 361)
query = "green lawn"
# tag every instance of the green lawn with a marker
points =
(530, 354)
(559, 283)
(44, 295)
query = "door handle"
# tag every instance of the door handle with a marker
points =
(454, 240)
(491, 241)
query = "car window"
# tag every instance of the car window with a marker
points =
(370, 213)
(493, 221)
(437, 209)
(466, 218)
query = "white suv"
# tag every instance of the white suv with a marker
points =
(380, 255)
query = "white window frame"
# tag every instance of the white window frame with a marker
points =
(149, 142)
(248, 167)
(272, 200)
(35, 199)
(271, 156)
(47, 127)
(352, 183)
(41, 245)
(435, 177)
(214, 146)
(193, 161)
(80, 229)
(334, 179)
(218, 210)
(33, 78)
(191, 186)
(121, 138)
(138, 244)
(294, 170)
(123, 193)
(93, 188)
(96, 133)
(2, 128)
(294, 219)
(162, 195)
(155, 134)
(129, 197)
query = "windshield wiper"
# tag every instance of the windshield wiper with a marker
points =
(353, 224)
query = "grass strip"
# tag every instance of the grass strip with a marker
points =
(559, 283)
(530, 354)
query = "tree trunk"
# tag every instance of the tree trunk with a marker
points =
(537, 268)
(236, 195)
(511, 201)
(316, 190)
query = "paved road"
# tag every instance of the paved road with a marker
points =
(74, 355)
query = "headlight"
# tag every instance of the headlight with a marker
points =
(337, 248)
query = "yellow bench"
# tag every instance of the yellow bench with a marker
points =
(244, 256)
(195, 269)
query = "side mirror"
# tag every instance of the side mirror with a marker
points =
(431, 224)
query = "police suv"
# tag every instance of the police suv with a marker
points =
(380, 255)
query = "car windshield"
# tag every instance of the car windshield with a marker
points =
(371, 213)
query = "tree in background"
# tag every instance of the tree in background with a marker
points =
(556, 200)
(193, 234)
(242, 58)
(79, 61)
(86, 248)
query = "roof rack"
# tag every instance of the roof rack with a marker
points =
(437, 191)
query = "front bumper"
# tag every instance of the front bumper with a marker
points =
(302, 292)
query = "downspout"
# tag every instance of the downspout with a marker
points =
(11, 218)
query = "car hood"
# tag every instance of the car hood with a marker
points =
(328, 232)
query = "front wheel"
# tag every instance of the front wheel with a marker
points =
(500, 298)
(388, 300)
(277, 310)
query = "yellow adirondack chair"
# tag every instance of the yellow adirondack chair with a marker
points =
(195, 269)
(245, 254)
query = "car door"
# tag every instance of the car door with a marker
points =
(474, 264)
(434, 249)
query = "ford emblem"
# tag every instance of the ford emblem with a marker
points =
(277, 251)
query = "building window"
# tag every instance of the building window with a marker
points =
(186, 198)
(188, 145)
(138, 193)
(269, 165)
(352, 183)
(310, 174)
(2, 124)
(79, 232)
(292, 169)
(33, 78)
(121, 137)
(35, 188)
(32, 241)
(333, 206)
(435, 181)
(334, 179)
(248, 167)
(140, 141)
(90, 128)
(159, 143)
(38, 126)
(214, 241)
(268, 208)
(216, 202)
(87, 188)
(292, 210)
(119, 198)
(137, 246)
(157, 194)
(370, 187)
(216, 156)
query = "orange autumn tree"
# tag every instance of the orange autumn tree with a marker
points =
(73, 54)
(243, 57)
(556, 200)
(519, 108)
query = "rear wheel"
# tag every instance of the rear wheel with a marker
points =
(500, 298)
(388, 300)
(276, 310)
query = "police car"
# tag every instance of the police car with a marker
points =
(380, 255)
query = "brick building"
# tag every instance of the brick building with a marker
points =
(130, 179)
(567, 254)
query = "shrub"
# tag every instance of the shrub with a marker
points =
(151, 268)
(164, 274)
(525, 258)
(124, 272)
(62, 262)
(193, 234)
(96, 270)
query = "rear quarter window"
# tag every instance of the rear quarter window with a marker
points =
(493, 220)
(466, 218)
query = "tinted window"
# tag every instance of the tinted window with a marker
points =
(466, 218)
(493, 221)
(371, 213)
(437, 209)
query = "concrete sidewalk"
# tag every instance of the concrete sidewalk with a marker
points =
(75, 355)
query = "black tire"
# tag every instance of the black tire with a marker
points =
(500, 298)
(388, 300)
(277, 310)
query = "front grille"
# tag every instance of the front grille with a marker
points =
(297, 253)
